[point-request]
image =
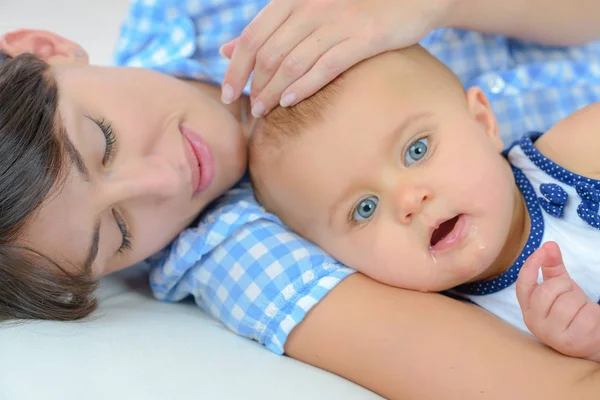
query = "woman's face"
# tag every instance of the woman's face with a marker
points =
(149, 152)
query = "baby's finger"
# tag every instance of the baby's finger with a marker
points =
(527, 279)
(543, 297)
(329, 66)
(585, 326)
(581, 333)
(565, 309)
(253, 37)
(552, 263)
(296, 64)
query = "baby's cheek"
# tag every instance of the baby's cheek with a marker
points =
(355, 255)
(482, 252)
(382, 262)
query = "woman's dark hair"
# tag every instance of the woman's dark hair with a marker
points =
(33, 165)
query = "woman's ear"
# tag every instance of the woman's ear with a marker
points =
(479, 107)
(50, 47)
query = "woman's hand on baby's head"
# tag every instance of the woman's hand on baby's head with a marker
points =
(295, 47)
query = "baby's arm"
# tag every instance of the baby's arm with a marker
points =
(557, 311)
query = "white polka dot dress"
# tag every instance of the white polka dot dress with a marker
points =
(563, 207)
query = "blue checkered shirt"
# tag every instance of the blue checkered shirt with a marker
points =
(240, 263)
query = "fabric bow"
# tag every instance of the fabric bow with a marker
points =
(590, 203)
(554, 199)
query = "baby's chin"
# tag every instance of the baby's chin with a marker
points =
(473, 264)
(478, 268)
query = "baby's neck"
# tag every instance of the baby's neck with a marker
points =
(516, 239)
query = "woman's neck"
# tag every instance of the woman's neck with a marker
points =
(240, 108)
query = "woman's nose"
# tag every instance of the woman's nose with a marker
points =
(409, 201)
(151, 177)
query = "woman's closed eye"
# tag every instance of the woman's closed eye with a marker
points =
(416, 151)
(111, 140)
(109, 154)
(125, 233)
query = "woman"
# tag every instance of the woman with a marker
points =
(380, 337)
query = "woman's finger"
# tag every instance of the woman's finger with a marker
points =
(227, 49)
(295, 65)
(328, 67)
(277, 48)
(253, 37)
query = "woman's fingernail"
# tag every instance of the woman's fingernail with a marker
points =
(222, 51)
(227, 94)
(258, 109)
(288, 100)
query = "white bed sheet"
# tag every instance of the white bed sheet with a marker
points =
(136, 347)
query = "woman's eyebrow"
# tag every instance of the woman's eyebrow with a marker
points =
(74, 154)
(93, 249)
(76, 158)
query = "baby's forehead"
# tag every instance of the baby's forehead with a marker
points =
(403, 67)
(402, 77)
(391, 76)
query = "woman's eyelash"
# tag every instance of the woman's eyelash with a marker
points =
(111, 140)
(127, 237)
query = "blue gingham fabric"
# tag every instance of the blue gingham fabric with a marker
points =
(246, 269)
(183, 37)
(240, 263)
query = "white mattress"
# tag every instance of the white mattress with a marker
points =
(136, 347)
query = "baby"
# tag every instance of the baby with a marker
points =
(399, 173)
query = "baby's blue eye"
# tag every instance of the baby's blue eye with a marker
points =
(365, 209)
(416, 151)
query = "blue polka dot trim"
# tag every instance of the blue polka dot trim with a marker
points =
(548, 166)
(509, 277)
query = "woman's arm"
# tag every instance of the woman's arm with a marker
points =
(409, 345)
(553, 22)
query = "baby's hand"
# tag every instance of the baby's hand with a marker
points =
(557, 311)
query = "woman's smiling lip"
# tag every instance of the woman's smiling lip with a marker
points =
(200, 158)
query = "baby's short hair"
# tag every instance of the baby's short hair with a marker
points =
(283, 124)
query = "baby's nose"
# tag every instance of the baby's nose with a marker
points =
(410, 201)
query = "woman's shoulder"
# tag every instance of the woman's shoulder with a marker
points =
(574, 142)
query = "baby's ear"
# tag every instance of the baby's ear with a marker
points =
(479, 107)
(48, 46)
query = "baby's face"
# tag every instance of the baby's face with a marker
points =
(403, 180)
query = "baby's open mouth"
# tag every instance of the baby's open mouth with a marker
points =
(442, 231)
